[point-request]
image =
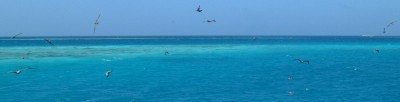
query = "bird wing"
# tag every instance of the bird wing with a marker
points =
(198, 8)
(49, 42)
(16, 35)
(98, 17)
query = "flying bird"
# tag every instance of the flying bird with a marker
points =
(199, 9)
(390, 24)
(20, 71)
(290, 78)
(96, 23)
(384, 30)
(49, 42)
(303, 61)
(15, 36)
(376, 50)
(210, 21)
(166, 53)
(108, 73)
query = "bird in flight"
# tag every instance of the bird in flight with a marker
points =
(15, 36)
(384, 30)
(210, 21)
(20, 71)
(303, 61)
(166, 52)
(199, 9)
(96, 23)
(376, 50)
(391, 23)
(49, 41)
(108, 73)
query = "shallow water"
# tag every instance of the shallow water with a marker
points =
(200, 69)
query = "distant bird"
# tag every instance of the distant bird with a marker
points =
(384, 30)
(210, 21)
(390, 24)
(291, 92)
(290, 78)
(199, 9)
(166, 53)
(108, 73)
(96, 23)
(49, 42)
(15, 36)
(20, 71)
(254, 38)
(376, 50)
(303, 61)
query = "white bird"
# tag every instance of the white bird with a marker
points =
(108, 73)
(19, 71)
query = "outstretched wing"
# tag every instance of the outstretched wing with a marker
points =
(96, 23)
(16, 35)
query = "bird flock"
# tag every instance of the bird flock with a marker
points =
(199, 10)
(96, 24)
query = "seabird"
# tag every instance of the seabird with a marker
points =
(49, 42)
(210, 21)
(384, 30)
(108, 73)
(303, 61)
(15, 36)
(96, 23)
(20, 71)
(290, 78)
(390, 24)
(291, 92)
(166, 53)
(376, 50)
(199, 9)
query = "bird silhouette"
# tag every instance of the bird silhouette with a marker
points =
(49, 42)
(15, 36)
(199, 9)
(96, 23)
(303, 61)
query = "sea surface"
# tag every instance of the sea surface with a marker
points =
(201, 69)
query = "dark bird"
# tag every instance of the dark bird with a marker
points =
(384, 30)
(390, 24)
(210, 21)
(303, 61)
(108, 73)
(96, 23)
(376, 50)
(166, 53)
(15, 36)
(49, 42)
(199, 9)
(20, 71)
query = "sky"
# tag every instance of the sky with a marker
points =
(178, 17)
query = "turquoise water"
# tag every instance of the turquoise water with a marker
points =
(200, 68)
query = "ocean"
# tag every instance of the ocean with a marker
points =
(201, 69)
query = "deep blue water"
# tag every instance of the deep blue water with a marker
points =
(200, 68)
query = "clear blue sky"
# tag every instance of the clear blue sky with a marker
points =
(178, 17)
